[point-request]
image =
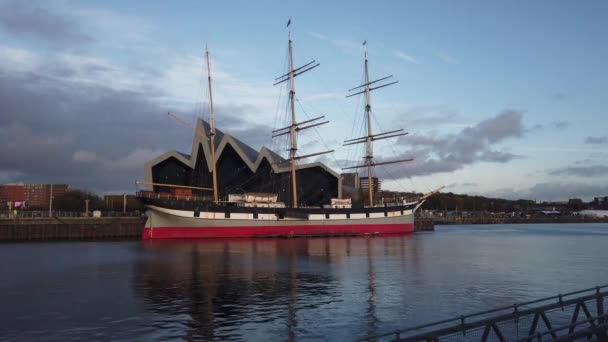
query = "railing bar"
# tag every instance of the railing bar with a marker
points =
(562, 328)
(502, 318)
(501, 309)
(599, 331)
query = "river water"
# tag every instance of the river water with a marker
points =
(286, 289)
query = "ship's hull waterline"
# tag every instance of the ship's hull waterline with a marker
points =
(165, 223)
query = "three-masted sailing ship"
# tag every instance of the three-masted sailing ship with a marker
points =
(260, 214)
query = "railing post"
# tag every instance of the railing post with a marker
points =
(599, 298)
(464, 331)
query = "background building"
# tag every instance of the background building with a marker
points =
(376, 184)
(350, 180)
(600, 202)
(37, 196)
(11, 193)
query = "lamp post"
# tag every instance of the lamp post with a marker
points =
(51, 201)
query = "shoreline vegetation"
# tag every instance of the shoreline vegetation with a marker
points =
(518, 220)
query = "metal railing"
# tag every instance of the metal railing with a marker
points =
(45, 213)
(162, 195)
(550, 318)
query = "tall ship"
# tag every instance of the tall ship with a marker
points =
(227, 189)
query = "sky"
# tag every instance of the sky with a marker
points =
(501, 99)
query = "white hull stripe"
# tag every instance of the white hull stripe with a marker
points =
(205, 215)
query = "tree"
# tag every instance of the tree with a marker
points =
(74, 200)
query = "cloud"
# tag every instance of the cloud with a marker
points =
(405, 57)
(133, 161)
(84, 121)
(555, 125)
(583, 171)
(559, 125)
(29, 19)
(346, 45)
(466, 184)
(435, 154)
(536, 127)
(322, 96)
(84, 156)
(423, 116)
(18, 60)
(448, 58)
(596, 140)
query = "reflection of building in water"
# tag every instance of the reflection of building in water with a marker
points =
(226, 286)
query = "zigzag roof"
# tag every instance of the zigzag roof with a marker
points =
(249, 155)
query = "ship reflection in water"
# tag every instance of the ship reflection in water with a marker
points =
(260, 288)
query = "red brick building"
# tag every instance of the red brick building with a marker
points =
(37, 196)
(11, 193)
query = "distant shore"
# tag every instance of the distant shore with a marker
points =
(519, 220)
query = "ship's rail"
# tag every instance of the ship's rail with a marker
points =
(166, 195)
(564, 317)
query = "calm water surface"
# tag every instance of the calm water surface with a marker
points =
(286, 289)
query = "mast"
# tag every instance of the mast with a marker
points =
(370, 137)
(295, 127)
(292, 130)
(212, 129)
(370, 147)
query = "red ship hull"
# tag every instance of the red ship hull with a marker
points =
(164, 223)
(268, 231)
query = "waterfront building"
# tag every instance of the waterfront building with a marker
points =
(11, 193)
(36, 195)
(351, 180)
(376, 184)
(241, 169)
(600, 202)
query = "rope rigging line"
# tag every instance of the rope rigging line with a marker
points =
(392, 146)
(354, 151)
(281, 115)
(316, 130)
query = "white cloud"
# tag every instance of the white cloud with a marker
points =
(122, 28)
(406, 57)
(84, 156)
(134, 160)
(323, 96)
(447, 58)
(17, 60)
(346, 45)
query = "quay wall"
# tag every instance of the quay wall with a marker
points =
(71, 228)
(88, 228)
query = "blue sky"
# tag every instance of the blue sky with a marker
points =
(500, 98)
